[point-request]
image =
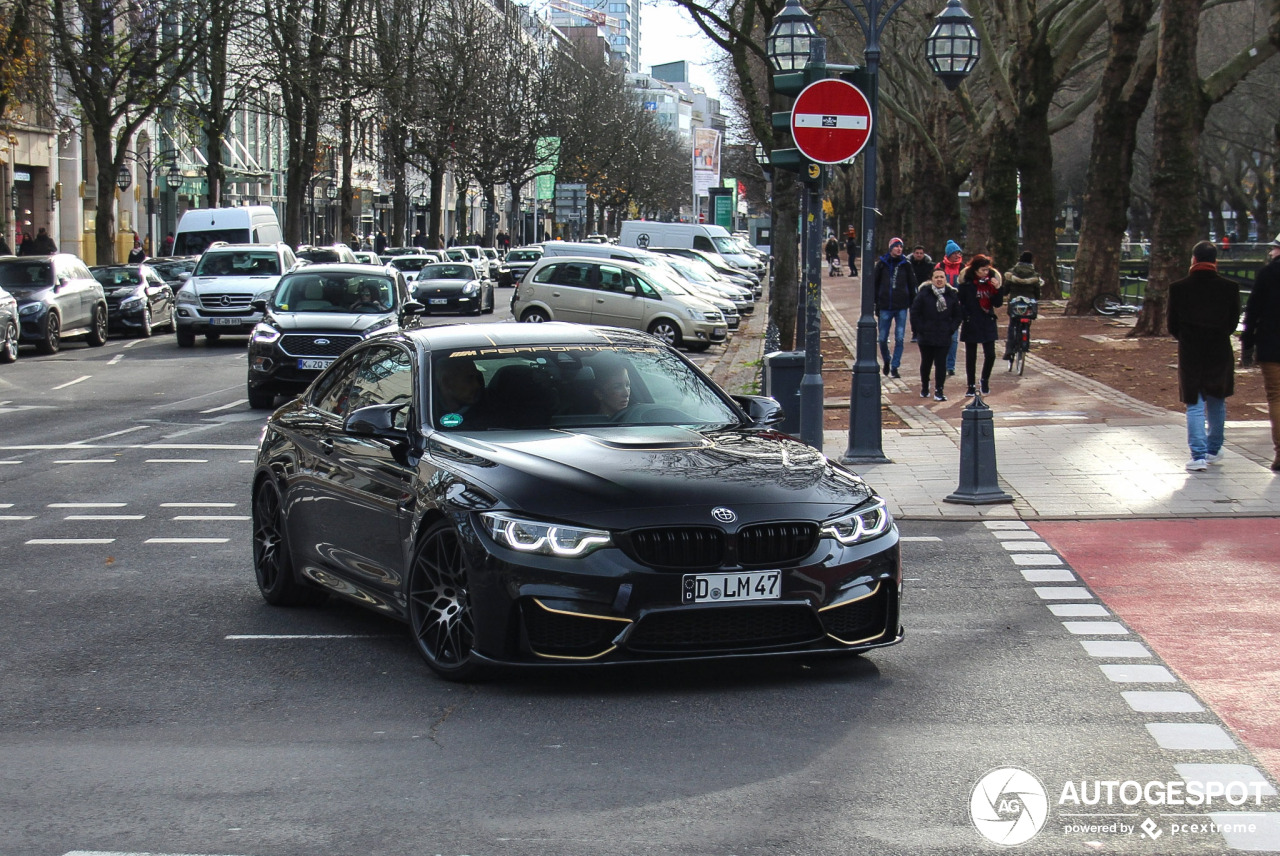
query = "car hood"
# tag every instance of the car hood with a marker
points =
(243, 284)
(611, 476)
(442, 285)
(336, 321)
(34, 294)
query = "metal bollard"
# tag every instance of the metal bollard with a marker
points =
(979, 481)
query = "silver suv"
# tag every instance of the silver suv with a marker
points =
(218, 298)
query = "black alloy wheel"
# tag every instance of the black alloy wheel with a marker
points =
(98, 332)
(440, 615)
(52, 338)
(272, 562)
(145, 331)
(9, 345)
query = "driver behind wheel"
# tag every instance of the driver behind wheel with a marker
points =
(612, 389)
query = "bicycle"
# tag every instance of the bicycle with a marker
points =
(1110, 303)
(1022, 311)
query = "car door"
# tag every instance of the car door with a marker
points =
(617, 300)
(70, 295)
(159, 296)
(570, 290)
(365, 497)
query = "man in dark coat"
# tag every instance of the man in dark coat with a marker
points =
(44, 245)
(1204, 310)
(894, 292)
(1261, 337)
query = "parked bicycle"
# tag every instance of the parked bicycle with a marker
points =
(1022, 311)
(1110, 303)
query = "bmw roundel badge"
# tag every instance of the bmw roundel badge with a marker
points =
(723, 515)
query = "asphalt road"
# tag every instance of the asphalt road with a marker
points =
(152, 702)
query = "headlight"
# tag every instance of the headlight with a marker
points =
(134, 302)
(862, 525)
(544, 539)
(265, 333)
(31, 309)
(187, 295)
(378, 327)
(471, 287)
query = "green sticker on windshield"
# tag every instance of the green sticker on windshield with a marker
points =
(451, 420)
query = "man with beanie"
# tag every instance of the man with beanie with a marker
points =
(952, 264)
(1020, 281)
(894, 290)
(1261, 337)
(1204, 310)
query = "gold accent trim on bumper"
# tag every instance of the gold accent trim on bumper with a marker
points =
(871, 593)
(603, 653)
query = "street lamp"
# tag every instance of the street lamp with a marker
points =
(953, 48)
(124, 178)
(150, 164)
(790, 41)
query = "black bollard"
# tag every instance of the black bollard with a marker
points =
(979, 481)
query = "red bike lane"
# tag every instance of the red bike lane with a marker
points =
(1205, 596)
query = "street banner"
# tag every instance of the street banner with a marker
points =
(548, 151)
(706, 160)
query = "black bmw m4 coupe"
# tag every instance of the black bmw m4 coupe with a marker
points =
(543, 494)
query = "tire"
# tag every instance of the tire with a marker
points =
(212, 338)
(98, 332)
(9, 345)
(666, 330)
(1105, 303)
(145, 331)
(51, 341)
(260, 399)
(272, 561)
(493, 299)
(186, 339)
(534, 316)
(440, 614)
(1019, 361)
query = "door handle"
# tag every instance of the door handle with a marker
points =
(326, 445)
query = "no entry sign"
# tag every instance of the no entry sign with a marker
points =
(831, 121)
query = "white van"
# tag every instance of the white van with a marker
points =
(248, 224)
(689, 236)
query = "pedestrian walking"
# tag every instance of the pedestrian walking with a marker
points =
(167, 243)
(1204, 309)
(832, 248)
(894, 290)
(979, 296)
(935, 317)
(1020, 281)
(380, 242)
(921, 272)
(1261, 337)
(28, 245)
(952, 265)
(136, 255)
(851, 249)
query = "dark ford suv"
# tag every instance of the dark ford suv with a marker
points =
(315, 314)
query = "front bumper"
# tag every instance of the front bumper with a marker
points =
(458, 303)
(189, 317)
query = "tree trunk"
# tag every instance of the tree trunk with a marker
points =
(1126, 88)
(1175, 170)
(104, 227)
(1038, 202)
(1001, 186)
(782, 293)
(436, 204)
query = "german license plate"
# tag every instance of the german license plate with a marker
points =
(718, 588)
(314, 365)
(439, 301)
(226, 322)
(720, 331)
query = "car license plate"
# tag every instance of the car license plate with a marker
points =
(314, 365)
(717, 588)
(226, 322)
(439, 301)
(719, 331)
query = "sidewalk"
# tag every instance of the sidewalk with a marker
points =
(1066, 447)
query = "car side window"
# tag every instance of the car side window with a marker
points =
(702, 242)
(385, 376)
(642, 288)
(612, 279)
(573, 274)
(332, 393)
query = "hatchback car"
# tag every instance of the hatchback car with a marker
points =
(8, 327)
(138, 299)
(565, 494)
(453, 287)
(517, 264)
(314, 315)
(620, 294)
(57, 299)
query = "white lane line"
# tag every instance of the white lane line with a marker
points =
(1048, 575)
(1258, 831)
(14, 463)
(1029, 546)
(117, 852)
(197, 397)
(226, 406)
(210, 517)
(87, 461)
(1096, 628)
(80, 379)
(1149, 701)
(1029, 559)
(1062, 592)
(205, 447)
(919, 538)
(197, 505)
(1193, 736)
(256, 637)
(176, 461)
(1224, 773)
(104, 517)
(6, 505)
(186, 540)
(244, 462)
(1134, 674)
(1078, 610)
(117, 358)
(128, 345)
(86, 505)
(15, 517)
(61, 541)
(1005, 524)
(114, 434)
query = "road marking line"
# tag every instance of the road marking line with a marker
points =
(210, 447)
(86, 505)
(115, 434)
(1062, 592)
(117, 852)
(1134, 674)
(15, 517)
(104, 517)
(1096, 628)
(1028, 559)
(1106, 649)
(6, 505)
(920, 538)
(226, 406)
(10, 462)
(1246, 773)
(53, 447)
(1162, 702)
(197, 397)
(176, 461)
(128, 345)
(254, 637)
(210, 517)
(197, 505)
(117, 358)
(1005, 524)
(87, 461)
(244, 462)
(1029, 546)
(70, 541)
(1048, 575)
(1191, 736)
(186, 540)
(1079, 610)
(80, 379)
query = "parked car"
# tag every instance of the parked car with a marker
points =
(391, 252)
(706, 237)
(576, 496)
(314, 315)
(492, 262)
(8, 327)
(217, 299)
(174, 270)
(705, 278)
(138, 299)
(517, 264)
(368, 257)
(453, 287)
(621, 294)
(201, 228)
(331, 254)
(411, 265)
(57, 299)
(717, 264)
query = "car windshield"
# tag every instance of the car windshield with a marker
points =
(320, 256)
(726, 245)
(111, 277)
(689, 271)
(571, 386)
(170, 270)
(410, 263)
(334, 291)
(448, 272)
(26, 274)
(239, 263)
(523, 256)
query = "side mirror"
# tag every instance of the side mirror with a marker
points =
(61, 283)
(376, 420)
(258, 304)
(412, 307)
(761, 409)
(629, 289)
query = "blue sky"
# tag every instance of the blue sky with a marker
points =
(667, 34)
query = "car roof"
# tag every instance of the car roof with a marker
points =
(339, 267)
(502, 335)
